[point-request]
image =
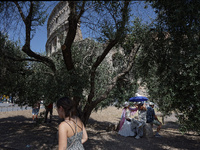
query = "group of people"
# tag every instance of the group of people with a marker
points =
(134, 127)
(72, 133)
(48, 110)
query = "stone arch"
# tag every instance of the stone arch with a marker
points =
(57, 27)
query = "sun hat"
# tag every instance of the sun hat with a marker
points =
(126, 104)
(151, 103)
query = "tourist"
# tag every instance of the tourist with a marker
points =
(35, 111)
(49, 109)
(153, 119)
(139, 124)
(125, 122)
(71, 132)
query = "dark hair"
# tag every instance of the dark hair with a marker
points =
(68, 106)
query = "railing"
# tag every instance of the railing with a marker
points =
(4, 107)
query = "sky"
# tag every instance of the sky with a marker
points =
(39, 40)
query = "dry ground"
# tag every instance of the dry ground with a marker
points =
(18, 133)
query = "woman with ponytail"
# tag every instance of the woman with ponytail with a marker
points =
(71, 132)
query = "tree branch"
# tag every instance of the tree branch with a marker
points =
(20, 59)
(82, 10)
(20, 11)
(26, 47)
(110, 45)
(116, 78)
(73, 21)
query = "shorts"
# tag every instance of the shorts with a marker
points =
(35, 111)
(156, 122)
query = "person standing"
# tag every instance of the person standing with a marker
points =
(153, 119)
(71, 132)
(49, 109)
(35, 111)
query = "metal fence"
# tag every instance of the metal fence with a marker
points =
(4, 107)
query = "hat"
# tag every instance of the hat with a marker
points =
(137, 94)
(151, 103)
(140, 103)
(126, 104)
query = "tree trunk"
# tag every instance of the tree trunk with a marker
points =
(86, 115)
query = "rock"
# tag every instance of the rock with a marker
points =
(148, 131)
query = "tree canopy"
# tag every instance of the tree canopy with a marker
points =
(171, 61)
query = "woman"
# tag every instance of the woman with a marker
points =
(71, 132)
(125, 123)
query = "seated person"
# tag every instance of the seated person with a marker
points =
(153, 119)
(139, 124)
(125, 122)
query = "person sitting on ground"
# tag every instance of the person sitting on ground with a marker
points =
(138, 125)
(153, 119)
(125, 122)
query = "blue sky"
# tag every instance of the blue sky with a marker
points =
(40, 38)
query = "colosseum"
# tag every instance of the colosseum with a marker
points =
(57, 28)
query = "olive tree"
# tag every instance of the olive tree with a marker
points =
(170, 61)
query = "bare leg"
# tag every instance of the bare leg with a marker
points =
(46, 115)
(51, 113)
(159, 127)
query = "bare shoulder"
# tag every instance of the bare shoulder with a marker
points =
(79, 121)
(63, 126)
(80, 124)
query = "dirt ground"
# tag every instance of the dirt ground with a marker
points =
(17, 132)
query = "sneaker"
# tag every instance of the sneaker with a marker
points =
(137, 137)
(157, 135)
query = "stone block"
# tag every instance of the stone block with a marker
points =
(148, 130)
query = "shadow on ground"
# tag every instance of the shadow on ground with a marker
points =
(171, 139)
(18, 133)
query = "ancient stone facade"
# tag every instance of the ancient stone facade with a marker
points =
(57, 28)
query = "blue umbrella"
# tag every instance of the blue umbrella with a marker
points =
(138, 99)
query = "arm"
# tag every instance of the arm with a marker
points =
(62, 137)
(144, 107)
(85, 136)
(133, 109)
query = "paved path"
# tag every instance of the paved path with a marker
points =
(14, 107)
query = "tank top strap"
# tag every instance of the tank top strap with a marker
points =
(70, 126)
(77, 124)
